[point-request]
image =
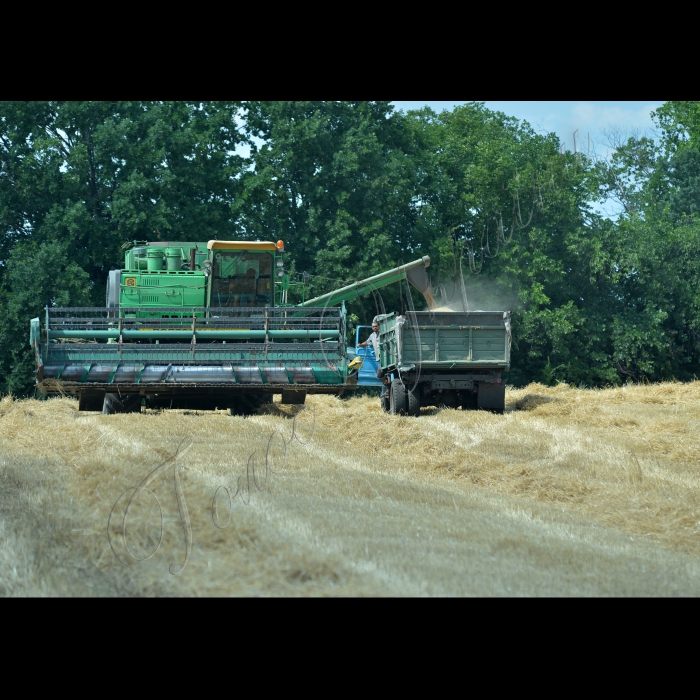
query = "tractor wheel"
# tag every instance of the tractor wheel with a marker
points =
(397, 398)
(385, 403)
(413, 402)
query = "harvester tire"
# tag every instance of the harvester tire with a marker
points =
(126, 403)
(264, 399)
(398, 404)
(248, 404)
(412, 402)
(91, 400)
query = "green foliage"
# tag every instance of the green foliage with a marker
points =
(94, 174)
(331, 180)
(37, 275)
(680, 125)
(354, 188)
(481, 177)
(89, 175)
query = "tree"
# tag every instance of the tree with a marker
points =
(332, 179)
(503, 207)
(354, 188)
(652, 308)
(88, 176)
(37, 275)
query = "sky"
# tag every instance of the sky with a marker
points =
(564, 117)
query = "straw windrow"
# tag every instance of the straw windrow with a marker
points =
(572, 491)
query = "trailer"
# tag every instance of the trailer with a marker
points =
(445, 358)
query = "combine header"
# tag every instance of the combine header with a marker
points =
(201, 325)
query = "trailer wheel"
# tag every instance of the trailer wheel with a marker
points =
(397, 398)
(412, 402)
(469, 402)
(385, 401)
(492, 397)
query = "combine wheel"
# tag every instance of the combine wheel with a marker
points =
(398, 404)
(91, 400)
(248, 404)
(293, 396)
(413, 401)
(126, 403)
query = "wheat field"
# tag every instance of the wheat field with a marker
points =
(572, 492)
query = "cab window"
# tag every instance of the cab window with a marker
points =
(241, 278)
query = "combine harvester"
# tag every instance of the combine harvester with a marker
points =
(207, 325)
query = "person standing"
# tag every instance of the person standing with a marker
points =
(373, 341)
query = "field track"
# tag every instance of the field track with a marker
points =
(571, 492)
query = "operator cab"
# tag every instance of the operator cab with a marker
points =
(242, 273)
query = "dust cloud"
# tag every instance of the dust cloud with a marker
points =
(474, 294)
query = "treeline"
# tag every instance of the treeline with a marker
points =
(354, 188)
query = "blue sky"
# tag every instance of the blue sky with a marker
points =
(564, 117)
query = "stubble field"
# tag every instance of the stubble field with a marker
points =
(571, 492)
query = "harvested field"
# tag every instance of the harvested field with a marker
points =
(571, 492)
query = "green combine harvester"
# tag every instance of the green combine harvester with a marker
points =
(201, 326)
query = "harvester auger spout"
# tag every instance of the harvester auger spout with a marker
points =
(414, 272)
(201, 325)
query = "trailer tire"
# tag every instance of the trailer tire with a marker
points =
(398, 404)
(384, 400)
(413, 402)
(469, 402)
(492, 397)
